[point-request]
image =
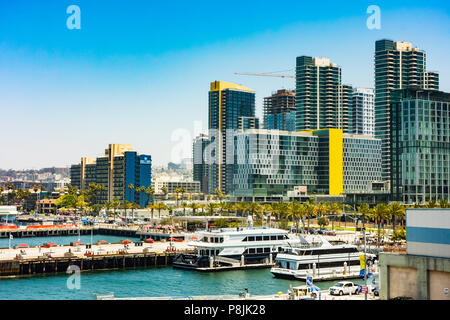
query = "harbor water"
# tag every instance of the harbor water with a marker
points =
(152, 282)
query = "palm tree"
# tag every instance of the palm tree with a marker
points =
(133, 206)
(161, 206)
(131, 188)
(380, 213)
(297, 212)
(184, 205)
(335, 209)
(364, 211)
(2, 189)
(149, 191)
(194, 206)
(253, 207)
(395, 210)
(211, 208)
(282, 210)
(108, 206)
(164, 191)
(177, 192)
(241, 207)
(310, 209)
(268, 208)
(115, 206)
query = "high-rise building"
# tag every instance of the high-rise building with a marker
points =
(420, 145)
(228, 104)
(200, 169)
(322, 101)
(363, 111)
(398, 65)
(119, 168)
(326, 161)
(279, 111)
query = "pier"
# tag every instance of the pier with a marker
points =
(52, 260)
(89, 263)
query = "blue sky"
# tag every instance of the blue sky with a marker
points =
(138, 72)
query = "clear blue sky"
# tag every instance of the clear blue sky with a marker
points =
(138, 71)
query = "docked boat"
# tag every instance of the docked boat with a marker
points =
(235, 246)
(317, 257)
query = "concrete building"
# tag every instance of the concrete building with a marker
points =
(279, 111)
(171, 183)
(420, 137)
(200, 167)
(322, 101)
(422, 273)
(398, 65)
(363, 111)
(119, 168)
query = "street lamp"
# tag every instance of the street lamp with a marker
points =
(365, 266)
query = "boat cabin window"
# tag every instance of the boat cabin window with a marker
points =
(258, 238)
(265, 238)
(259, 250)
(251, 250)
(273, 237)
(266, 250)
(251, 238)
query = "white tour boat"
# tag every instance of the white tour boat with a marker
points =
(235, 246)
(318, 258)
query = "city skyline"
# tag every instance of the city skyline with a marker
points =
(121, 89)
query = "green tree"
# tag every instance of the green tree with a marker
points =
(310, 209)
(322, 222)
(211, 207)
(164, 191)
(159, 207)
(378, 214)
(131, 187)
(395, 210)
(399, 234)
(443, 203)
(67, 201)
(431, 204)
(149, 192)
(194, 206)
(115, 206)
(364, 212)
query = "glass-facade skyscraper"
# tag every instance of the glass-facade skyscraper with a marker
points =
(420, 145)
(327, 161)
(397, 66)
(231, 108)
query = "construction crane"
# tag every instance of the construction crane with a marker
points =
(266, 74)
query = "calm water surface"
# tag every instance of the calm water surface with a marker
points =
(155, 282)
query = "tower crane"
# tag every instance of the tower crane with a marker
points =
(266, 74)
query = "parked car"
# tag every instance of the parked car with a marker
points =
(344, 287)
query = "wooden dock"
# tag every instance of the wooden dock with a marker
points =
(55, 265)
